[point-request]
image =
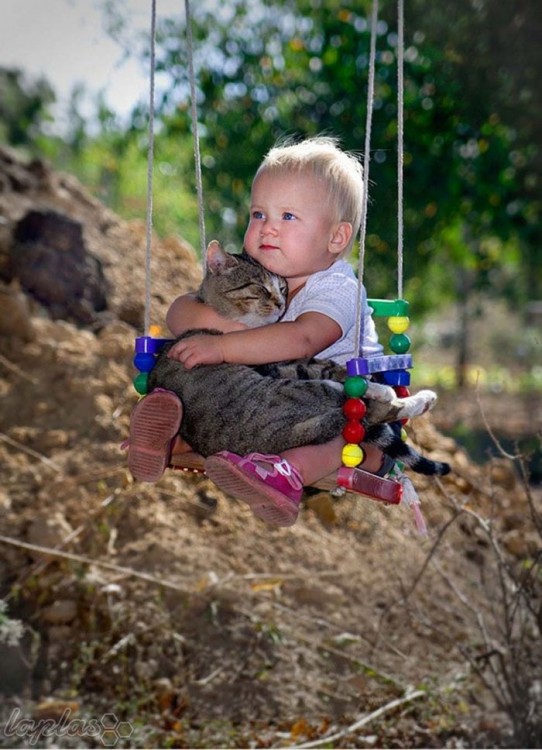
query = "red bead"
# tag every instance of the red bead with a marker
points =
(353, 432)
(402, 391)
(354, 408)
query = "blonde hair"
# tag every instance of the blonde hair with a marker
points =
(341, 172)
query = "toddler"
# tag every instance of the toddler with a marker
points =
(305, 212)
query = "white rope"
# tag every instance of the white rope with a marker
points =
(195, 131)
(400, 142)
(360, 319)
(150, 162)
(366, 160)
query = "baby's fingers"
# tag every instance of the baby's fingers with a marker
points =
(177, 351)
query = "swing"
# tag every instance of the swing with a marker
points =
(392, 368)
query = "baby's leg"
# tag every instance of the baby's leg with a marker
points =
(154, 425)
(314, 462)
(272, 486)
(180, 446)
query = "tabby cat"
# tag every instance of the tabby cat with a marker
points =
(269, 408)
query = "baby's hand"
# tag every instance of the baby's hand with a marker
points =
(202, 349)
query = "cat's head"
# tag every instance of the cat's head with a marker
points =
(239, 288)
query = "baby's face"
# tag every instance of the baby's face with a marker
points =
(291, 226)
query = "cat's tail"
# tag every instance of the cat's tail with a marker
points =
(418, 463)
(423, 465)
(385, 438)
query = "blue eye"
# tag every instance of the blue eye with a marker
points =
(257, 214)
(287, 216)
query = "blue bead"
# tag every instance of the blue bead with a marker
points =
(144, 362)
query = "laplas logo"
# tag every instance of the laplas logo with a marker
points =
(107, 729)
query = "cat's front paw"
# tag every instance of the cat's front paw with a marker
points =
(333, 384)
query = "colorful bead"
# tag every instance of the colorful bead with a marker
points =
(402, 391)
(352, 455)
(354, 408)
(140, 382)
(353, 432)
(144, 361)
(400, 343)
(398, 324)
(404, 435)
(355, 386)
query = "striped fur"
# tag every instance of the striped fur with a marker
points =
(270, 408)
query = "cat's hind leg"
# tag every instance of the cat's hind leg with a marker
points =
(383, 404)
(414, 406)
(384, 394)
(317, 429)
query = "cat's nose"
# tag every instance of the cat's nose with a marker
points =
(279, 303)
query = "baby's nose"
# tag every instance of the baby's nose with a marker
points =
(269, 227)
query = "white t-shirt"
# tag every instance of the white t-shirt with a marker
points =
(334, 292)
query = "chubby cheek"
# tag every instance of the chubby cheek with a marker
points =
(250, 240)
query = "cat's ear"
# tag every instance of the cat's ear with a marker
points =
(218, 259)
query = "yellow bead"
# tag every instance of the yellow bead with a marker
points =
(404, 435)
(352, 455)
(398, 324)
(155, 331)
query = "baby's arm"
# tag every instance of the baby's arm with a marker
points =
(309, 334)
(187, 312)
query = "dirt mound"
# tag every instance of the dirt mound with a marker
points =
(170, 606)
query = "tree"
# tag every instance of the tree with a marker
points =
(301, 68)
(24, 107)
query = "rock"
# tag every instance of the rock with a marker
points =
(48, 531)
(15, 315)
(50, 259)
(60, 612)
(54, 710)
(50, 440)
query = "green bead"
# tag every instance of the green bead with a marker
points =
(355, 386)
(141, 382)
(399, 343)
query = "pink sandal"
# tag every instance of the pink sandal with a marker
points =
(270, 486)
(154, 424)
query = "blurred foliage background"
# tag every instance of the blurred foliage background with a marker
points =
(266, 70)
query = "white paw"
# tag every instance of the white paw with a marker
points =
(414, 406)
(427, 397)
(379, 392)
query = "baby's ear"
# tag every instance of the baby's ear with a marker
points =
(217, 258)
(340, 238)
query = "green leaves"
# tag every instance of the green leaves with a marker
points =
(473, 152)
